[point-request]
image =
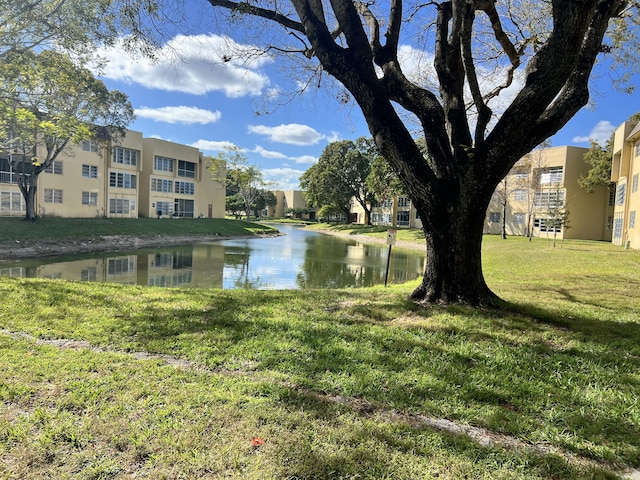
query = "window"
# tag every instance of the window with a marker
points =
(637, 150)
(11, 202)
(89, 171)
(621, 193)
(125, 156)
(120, 265)
(55, 168)
(551, 175)
(545, 225)
(494, 217)
(90, 146)
(617, 228)
(521, 174)
(161, 185)
(121, 206)
(402, 218)
(89, 198)
(122, 180)
(632, 219)
(163, 164)
(548, 199)
(89, 274)
(164, 208)
(52, 195)
(610, 223)
(519, 218)
(183, 208)
(404, 202)
(186, 169)
(612, 197)
(634, 184)
(187, 188)
(520, 195)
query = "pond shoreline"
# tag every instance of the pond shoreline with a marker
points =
(17, 250)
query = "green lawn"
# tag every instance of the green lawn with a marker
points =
(335, 382)
(52, 228)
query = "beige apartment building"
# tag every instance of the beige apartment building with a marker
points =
(542, 195)
(625, 173)
(137, 177)
(286, 199)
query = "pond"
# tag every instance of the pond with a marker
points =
(299, 259)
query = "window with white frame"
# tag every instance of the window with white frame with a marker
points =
(494, 217)
(637, 149)
(164, 208)
(89, 198)
(186, 188)
(11, 202)
(402, 218)
(90, 146)
(186, 169)
(521, 173)
(125, 156)
(551, 175)
(632, 219)
(89, 171)
(621, 192)
(121, 206)
(122, 180)
(520, 195)
(634, 183)
(161, 185)
(183, 208)
(618, 223)
(519, 218)
(404, 202)
(545, 225)
(52, 195)
(548, 199)
(55, 168)
(89, 274)
(119, 265)
(163, 164)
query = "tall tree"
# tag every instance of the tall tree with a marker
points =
(46, 103)
(75, 26)
(340, 175)
(243, 182)
(473, 128)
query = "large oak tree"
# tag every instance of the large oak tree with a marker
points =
(471, 144)
(541, 53)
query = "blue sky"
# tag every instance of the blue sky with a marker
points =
(194, 94)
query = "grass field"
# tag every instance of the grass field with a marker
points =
(52, 228)
(329, 384)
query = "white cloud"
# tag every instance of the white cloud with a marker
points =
(305, 159)
(283, 178)
(268, 153)
(194, 64)
(181, 114)
(292, 134)
(600, 133)
(212, 146)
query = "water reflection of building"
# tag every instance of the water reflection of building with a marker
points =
(200, 265)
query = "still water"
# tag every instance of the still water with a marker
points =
(299, 259)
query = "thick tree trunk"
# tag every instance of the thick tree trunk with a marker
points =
(453, 266)
(28, 190)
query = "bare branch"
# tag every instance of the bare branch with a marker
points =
(247, 8)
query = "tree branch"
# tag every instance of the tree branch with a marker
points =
(247, 8)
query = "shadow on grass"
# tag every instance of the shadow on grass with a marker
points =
(532, 374)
